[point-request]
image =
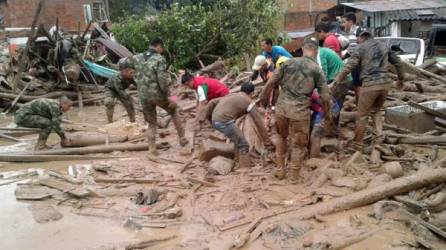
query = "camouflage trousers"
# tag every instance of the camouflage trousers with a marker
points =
(110, 99)
(299, 131)
(149, 109)
(36, 121)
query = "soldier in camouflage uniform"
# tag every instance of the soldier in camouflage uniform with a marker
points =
(372, 57)
(115, 89)
(46, 115)
(153, 80)
(297, 78)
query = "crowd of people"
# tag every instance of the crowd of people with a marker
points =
(307, 94)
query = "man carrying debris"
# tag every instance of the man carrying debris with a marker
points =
(223, 113)
(263, 67)
(207, 88)
(371, 56)
(46, 115)
(298, 78)
(153, 81)
(331, 64)
(115, 89)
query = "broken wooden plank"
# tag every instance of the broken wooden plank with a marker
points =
(46, 158)
(95, 149)
(204, 183)
(357, 199)
(126, 180)
(64, 177)
(210, 149)
(74, 190)
(428, 110)
(426, 224)
(148, 243)
(7, 137)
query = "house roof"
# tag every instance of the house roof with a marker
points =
(300, 33)
(418, 15)
(393, 5)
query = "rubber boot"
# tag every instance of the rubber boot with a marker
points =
(281, 153)
(279, 172)
(378, 127)
(244, 160)
(41, 144)
(294, 174)
(180, 130)
(109, 113)
(360, 130)
(152, 141)
(315, 147)
(131, 113)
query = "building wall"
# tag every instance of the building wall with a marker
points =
(302, 14)
(20, 13)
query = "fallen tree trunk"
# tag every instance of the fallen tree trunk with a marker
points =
(45, 158)
(93, 149)
(428, 110)
(82, 140)
(423, 140)
(358, 199)
(27, 98)
(424, 72)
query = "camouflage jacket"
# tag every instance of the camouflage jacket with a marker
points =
(117, 83)
(372, 57)
(47, 108)
(152, 78)
(297, 78)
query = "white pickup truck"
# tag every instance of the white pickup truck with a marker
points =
(410, 49)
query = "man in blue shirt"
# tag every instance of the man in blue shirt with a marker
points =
(273, 52)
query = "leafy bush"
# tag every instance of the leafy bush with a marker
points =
(226, 28)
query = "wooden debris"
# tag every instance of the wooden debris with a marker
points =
(76, 191)
(125, 180)
(45, 158)
(426, 224)
(64, 177)
(82, 140)
(148, 243)
(204, 183)
(95, 149)
(209, 149)
(428, 110)
(361, 198)
(7, 137)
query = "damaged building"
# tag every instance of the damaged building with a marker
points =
(71, 15)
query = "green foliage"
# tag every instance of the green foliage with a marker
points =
(226, 28)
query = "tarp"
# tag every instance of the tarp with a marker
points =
(100, 70)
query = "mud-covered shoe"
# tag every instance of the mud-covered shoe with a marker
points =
(293, 174)
(41, 145)
(244, 160)
(183, 141)
(279, 173)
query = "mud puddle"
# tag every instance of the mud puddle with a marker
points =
(20, 231)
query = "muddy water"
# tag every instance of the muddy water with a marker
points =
(20, 231)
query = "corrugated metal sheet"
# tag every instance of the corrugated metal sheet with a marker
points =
(392, 5)
(416, 15)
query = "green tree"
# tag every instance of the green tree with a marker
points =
(225, 28)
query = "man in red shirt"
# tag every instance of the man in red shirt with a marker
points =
(330, 40)
(206, 88)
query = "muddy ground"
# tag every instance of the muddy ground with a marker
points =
(186, 214)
